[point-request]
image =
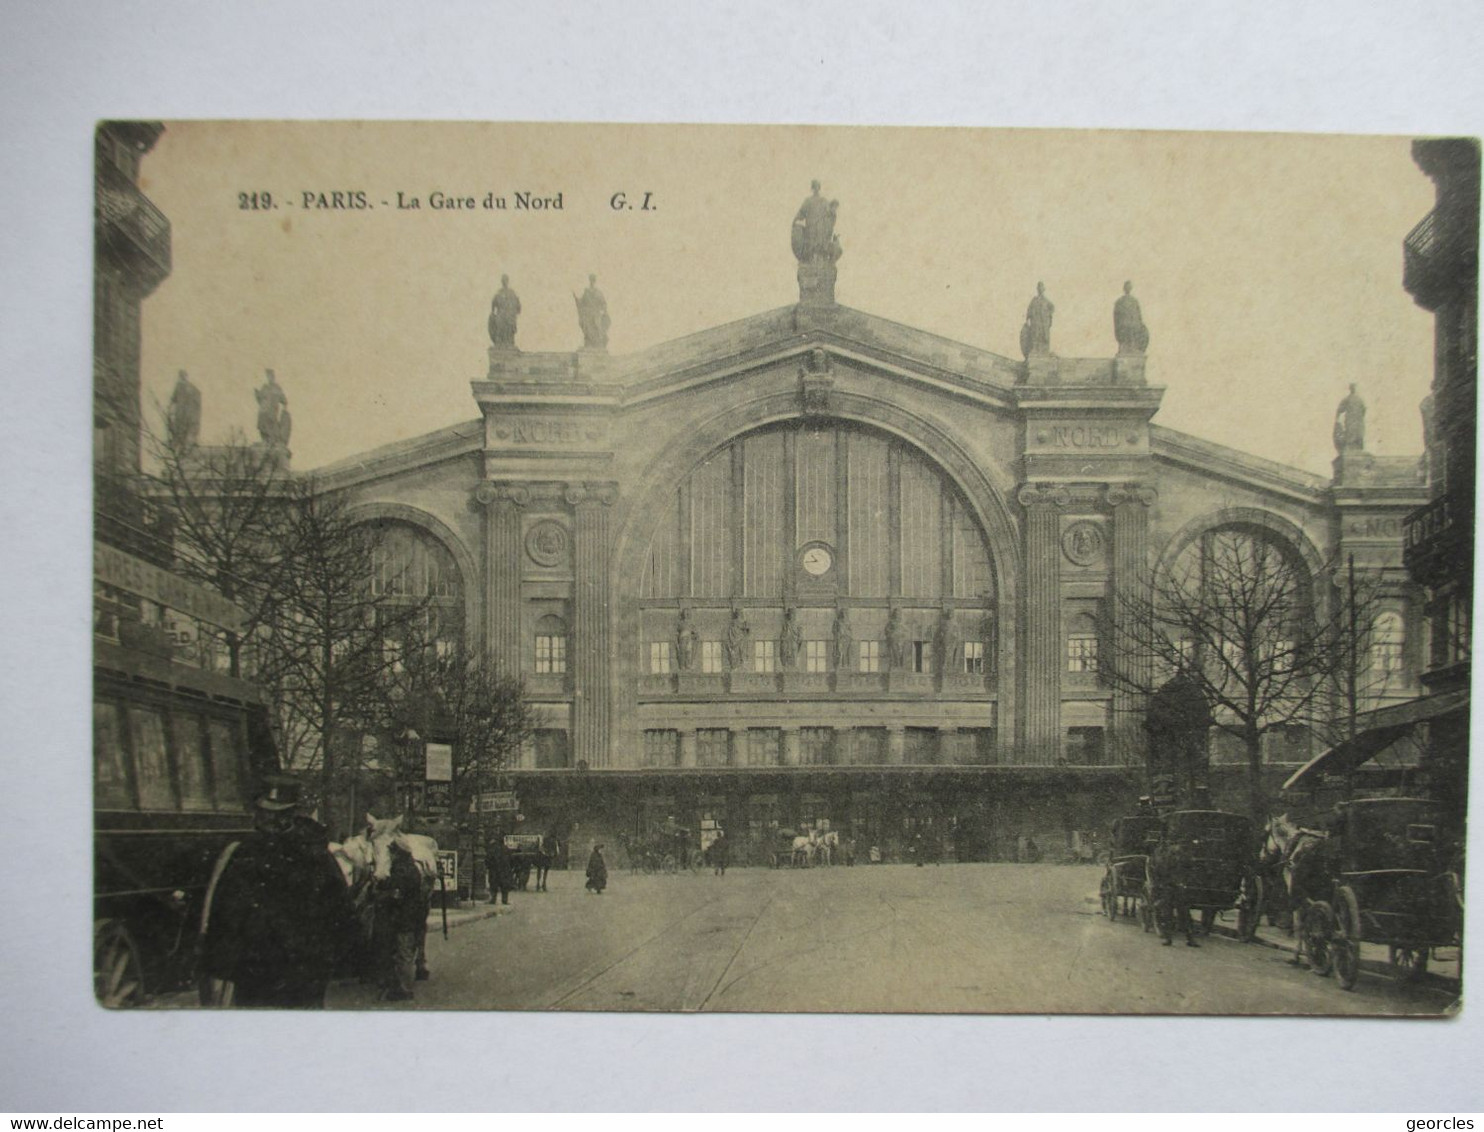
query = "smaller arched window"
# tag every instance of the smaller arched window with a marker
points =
(1388, 637)
(551, 646)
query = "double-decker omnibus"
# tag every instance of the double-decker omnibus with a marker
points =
(178, 749)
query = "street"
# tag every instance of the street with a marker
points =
(953, 938)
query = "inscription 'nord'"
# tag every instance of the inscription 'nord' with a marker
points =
(539, 431)
(1089, 436)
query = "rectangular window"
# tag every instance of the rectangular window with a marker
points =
(191, 758)
(552, 751)
(226, 763)
(551, 655)
(110, 760)
(661, 748)
(762, 746)
(922, 656)
(816, 746)
(151, 759)
(920, 746)
(1084, 746)
(869, 653)
(868, 746)
(659, 657)
(711, 657)
(765, 656)
(1082, 653)
(816, 656)
(713, 746)
(974, 658)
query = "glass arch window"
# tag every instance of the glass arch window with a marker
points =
(890, 523)
(411, 567)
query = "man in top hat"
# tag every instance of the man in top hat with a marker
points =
(280, 917)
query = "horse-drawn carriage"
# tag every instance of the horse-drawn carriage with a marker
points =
(1393, 881)
(530, 853)
(1126, 877)
(1205, 861)
(665, 850)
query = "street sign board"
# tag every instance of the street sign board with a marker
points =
(437, 797)
(440, 762)
(498, 801)
(448, 867)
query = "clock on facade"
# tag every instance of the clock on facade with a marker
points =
(817, 560)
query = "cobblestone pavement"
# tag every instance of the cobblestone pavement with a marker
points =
(951, 938)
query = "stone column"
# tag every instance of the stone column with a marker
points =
(592, 657)
(688, 746)
(1130, 505)
(1042, 642)
(790, 746)
(502, 599)
(896, 745)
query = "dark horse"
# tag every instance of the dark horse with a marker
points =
(1305, 857)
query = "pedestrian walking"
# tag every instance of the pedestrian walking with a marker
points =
(721, 854)
(401, 909)
(597, 871)
(279, 915)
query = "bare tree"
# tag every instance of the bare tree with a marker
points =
(456, 694)
(228, 506)
(1244, 620)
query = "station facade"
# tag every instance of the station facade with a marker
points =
(816, 566)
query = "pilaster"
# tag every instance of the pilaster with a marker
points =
(1129, 504)
(1042, 668)
(503, 504)
(790, 746)
(592, 668)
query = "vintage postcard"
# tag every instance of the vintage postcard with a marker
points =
(698, 568)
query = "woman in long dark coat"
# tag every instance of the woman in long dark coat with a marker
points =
(597, 871)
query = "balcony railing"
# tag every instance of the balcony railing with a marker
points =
(128, 220)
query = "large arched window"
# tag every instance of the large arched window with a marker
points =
(411, 568)
(1388, 637)
(822, 512)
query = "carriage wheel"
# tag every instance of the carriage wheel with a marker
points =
(1347, 939)
(1408, 963)
(1249, 908)
(1108, 894)
(669, 864)
(647, 864)
(1316, 929)
(118, 972)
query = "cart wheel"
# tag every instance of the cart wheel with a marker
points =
(1316, 929)
(1407, 963)
(1249, 908)
(647, 864)
(1108, 895)
(669, 864)
(1347, 939)
(118, 972)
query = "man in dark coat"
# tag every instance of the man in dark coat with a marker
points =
(501, 870)
(721, 854)
(401, 909)
(280, 915)
(597, 871)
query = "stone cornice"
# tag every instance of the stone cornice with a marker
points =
(463, 439)
(1208, 458)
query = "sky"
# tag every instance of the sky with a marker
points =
(1268, 266)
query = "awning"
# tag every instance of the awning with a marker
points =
(1382, 728)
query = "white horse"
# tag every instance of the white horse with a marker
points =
(826, 844)
(369, 854)
(804, 850)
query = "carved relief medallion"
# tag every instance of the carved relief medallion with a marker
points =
(546, 543)
(1082, 543)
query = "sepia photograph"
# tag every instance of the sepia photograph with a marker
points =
(807, 569)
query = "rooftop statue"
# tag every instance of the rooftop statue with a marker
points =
(504, 312)
(274, 421)
(183, 422)
(813, 235)
(592, 316)
(1350, 423)
(1035, 335)
(1128, 323)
